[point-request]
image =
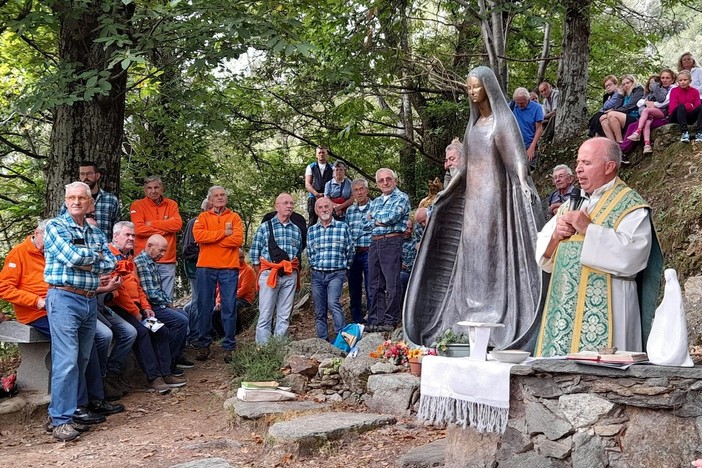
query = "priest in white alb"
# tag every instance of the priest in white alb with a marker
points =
(604, 259)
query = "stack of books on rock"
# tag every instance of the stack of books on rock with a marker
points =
(619, 357)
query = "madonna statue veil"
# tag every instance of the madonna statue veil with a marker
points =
(476, 260)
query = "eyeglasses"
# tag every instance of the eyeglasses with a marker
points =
(386, 180)
(86, 174)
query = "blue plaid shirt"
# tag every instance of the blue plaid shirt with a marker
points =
(392, 212)
(330, 248)
(107, 211)
(287, 236)
(361, 227)
(150, 280)
(409, 252)
(68, 246)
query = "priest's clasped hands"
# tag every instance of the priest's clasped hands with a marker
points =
(571, 222)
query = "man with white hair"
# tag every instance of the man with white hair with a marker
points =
(563, 180)
(452, 160)
(76, 254)
(530, 116)
(389, 213)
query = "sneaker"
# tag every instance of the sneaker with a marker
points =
(111, 393)
(49, 427)
(698, 137)
(647, 149)
(174, 381)
(685, 137)
(104, 408)
(636, 136)
(625, 160)
(159, 385)
(65, 432)
(175, 370)
(184, 363)
(203, 354)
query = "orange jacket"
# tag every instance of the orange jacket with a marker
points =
(165, 220)
(22, 281)
(129, 296)
(216, 249)
(247, 284)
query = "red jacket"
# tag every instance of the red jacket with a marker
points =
(689, 96)
(165, 220)
(22, 281)
(216, 249)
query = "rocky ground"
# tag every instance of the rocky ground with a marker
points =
(191, 424)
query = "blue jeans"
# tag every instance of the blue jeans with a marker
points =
(177, 324)
(278, 300)
(167, 271)
(207, 279)
(358, 279)
(192, 311)
(326, 294)
(72, 320)
(123, 337)
(384, 263)
(103, 339)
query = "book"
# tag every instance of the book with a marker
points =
(619, 357)
(253, 385)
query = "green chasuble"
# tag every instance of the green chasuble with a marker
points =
(578, 311)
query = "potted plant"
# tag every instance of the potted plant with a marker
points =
(415, 356)
(451, 344)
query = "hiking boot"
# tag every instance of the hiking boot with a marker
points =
(174, 381)
(159, 385)
(49, 427)
(111, 393)
(636, 136)
(184, 363)
(104, 408)
(203, 354)
(65, 432)
(685, 137)
(647, 149)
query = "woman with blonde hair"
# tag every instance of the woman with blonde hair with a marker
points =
(617, 119)
(687, 62)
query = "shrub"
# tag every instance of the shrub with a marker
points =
(253, 363)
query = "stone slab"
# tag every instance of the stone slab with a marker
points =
(12, 331)
(425, 456)
(643, 371)
(256, 410)
(327, 426)
(204, 463)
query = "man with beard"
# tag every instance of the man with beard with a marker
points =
(106, 212)
(452, 161)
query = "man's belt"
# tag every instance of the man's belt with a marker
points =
(329, 271)
(82, 292)
(362, 249)
(385, 236)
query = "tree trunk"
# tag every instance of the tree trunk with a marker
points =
(494, 37)
(571, 117)
(86, 130)
(545, 51)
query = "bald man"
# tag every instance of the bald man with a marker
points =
(597, 249)
(161, 302)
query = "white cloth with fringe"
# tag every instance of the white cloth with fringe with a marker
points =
(465, 392)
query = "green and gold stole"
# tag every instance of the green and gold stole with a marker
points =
(578, 310)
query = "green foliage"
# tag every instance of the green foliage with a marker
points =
(254, 363)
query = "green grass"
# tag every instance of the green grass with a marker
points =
(253, 363)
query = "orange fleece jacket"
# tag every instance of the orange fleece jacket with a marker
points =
(130, 296)
(165, 220)
(247, 284)
(22, 281)
(216, 249)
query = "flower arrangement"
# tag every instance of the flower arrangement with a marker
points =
(399, 353)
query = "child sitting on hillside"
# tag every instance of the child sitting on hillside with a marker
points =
(685, 107)
(655, 109)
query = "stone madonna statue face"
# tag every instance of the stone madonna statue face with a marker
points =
(476, 91)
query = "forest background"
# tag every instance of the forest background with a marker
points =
(238, 93)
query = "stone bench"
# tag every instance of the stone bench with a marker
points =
(34, 372)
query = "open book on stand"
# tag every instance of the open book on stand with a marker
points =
(619, 357)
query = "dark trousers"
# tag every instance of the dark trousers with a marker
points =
(384, 263)
(683, 117)
(312, 216)
(177, 324)
(152, 350)
(359, 278)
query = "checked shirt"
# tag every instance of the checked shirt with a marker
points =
(330, 248)
(391, 211)
(361, 227)
(150, 280)
(287, 236)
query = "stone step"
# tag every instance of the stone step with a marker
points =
(425, 456)
(259, 409)
(311, 431)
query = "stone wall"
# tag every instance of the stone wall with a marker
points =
(563, 414)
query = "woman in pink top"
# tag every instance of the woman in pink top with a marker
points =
(685, 107)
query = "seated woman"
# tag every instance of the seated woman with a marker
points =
(610, 100)
(617, 119)
(685, 107)
(338, 190)
(687, 62)
(655, 112)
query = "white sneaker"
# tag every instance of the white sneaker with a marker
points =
(636, 136)
(647, 149)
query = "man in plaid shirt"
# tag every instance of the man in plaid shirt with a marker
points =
(161, 303)
(361, 227)
(76, 256)
(330, 252)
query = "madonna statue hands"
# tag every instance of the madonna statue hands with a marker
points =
(476, 261)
